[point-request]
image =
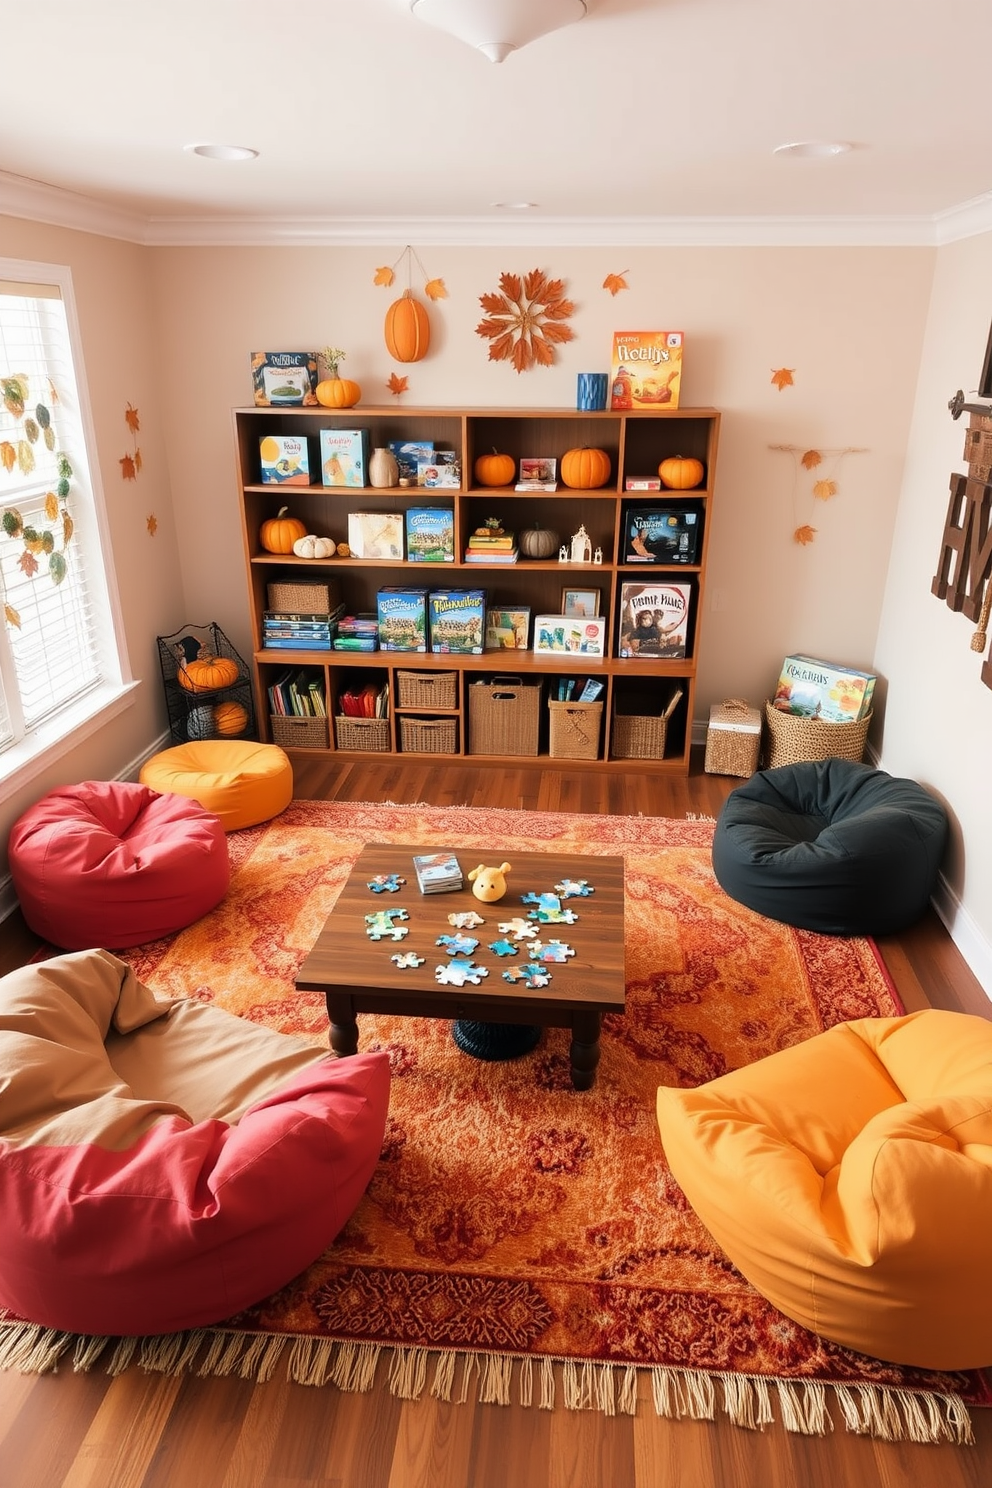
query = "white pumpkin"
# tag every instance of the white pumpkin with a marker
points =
(312, 546)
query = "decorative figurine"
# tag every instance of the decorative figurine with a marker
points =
(489, 884)
(581, 546)
(562, 554)
(597, 557)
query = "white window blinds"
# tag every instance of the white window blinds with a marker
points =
(50, 654)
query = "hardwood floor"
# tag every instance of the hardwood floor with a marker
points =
(147, 1431)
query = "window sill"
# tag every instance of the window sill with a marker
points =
(23, 761)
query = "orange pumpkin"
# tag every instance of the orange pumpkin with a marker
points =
(585, 469)
(681, 474)
(495, 469)
(279, 533)
(408, 331)
(207, 673)
(230, 719)
(337, 392)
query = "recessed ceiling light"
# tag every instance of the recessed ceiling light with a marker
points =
(222, 152)
(813, 149)
(514, 206)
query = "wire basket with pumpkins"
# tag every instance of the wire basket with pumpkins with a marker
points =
(208, 689)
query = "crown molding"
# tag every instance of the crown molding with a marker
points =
(38, 202)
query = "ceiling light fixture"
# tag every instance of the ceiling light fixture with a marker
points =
(498, 27)
(813, 149)
(520, 206)
(222, 152)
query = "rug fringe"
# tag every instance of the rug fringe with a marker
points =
(886, 1413)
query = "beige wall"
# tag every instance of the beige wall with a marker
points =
(938, 713)
(113, 303)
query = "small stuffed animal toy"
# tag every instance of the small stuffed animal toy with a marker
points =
(489, 884)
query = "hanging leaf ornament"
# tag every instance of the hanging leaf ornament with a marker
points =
(14, 391)
(435, 289)
(527, 318)
(616, 282)
(396, 384)
(811, 459)
(804, 534)
(824, 489)
(151, 522)
(782, 378)
(383, 276)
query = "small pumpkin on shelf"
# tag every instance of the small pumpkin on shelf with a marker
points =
(495, 469)
(312, 546)
(335, 391)
(538, 542)
(680, 473)
(280, 532)
(585, 469)
(207, 672)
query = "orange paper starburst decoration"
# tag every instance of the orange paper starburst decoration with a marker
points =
(526, 319)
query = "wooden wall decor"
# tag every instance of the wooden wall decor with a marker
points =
(964, 567)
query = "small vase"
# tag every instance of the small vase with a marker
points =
(383, 469)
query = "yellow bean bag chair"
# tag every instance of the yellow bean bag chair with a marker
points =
(236, 779)
(850, 1179)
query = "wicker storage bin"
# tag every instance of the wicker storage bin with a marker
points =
(733, 739)
(427, 689)
(504, 716)
(298, 733)
(369, 735)
(640, 736)
(790, 739)
(574, 730)
(302, 599)
(428, 735)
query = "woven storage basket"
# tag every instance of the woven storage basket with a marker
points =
(426, 689)
(301, 599)
(369, 735)
(791, 739)
(733, 739)
(428, 735)
(640, 736)
(298, 733)
(574, 731)
(504, 716)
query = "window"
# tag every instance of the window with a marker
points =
(60, 657)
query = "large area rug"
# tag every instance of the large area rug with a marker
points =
(520, 1240)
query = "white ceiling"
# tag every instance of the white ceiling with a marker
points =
(648, 121)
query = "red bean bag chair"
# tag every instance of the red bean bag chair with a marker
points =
(111, 863)
(165, 1164)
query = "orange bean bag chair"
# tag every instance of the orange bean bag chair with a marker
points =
(163, 1163)
(241, 782)
(850, 1179)
(111, 863)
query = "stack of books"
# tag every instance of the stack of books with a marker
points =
(298, 695)
(438, 873)
(365, 702)
(491, 545)
(357, 633)
(299, 632)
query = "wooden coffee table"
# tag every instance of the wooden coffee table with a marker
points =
(357, 974)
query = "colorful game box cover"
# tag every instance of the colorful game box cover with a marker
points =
(661, 534)
(646, 369)
(430, 534)
(441, 469)
(408, 455)
(654, 619)
(344, 456)
(284, 379)
(574, 635)
(821, 689)
(375, 534)
(457, 620)
(402, 615)
(285, 459)
(508, 630)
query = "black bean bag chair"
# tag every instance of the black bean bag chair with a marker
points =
(831, 846)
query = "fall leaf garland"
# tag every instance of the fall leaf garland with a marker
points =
(42, 545)
(131, 464)
(824, 488)
(526, 318)
(385, 275)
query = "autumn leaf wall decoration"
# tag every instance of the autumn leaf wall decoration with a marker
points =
(396, 385)
(131, 464)
(616, 282)
(526, 318)
(782, 377)
(823, 487)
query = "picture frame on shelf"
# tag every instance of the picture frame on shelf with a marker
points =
(581, 603)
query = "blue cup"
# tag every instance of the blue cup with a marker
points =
(591, 391)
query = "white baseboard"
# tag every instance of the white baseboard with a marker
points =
(8, 898)
(965, 933)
